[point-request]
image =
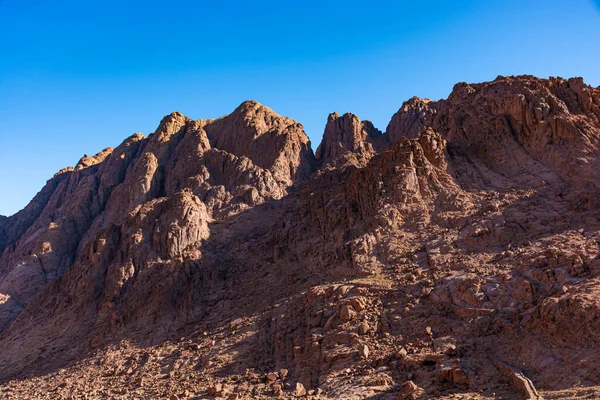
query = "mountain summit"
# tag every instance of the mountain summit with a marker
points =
(456, 254)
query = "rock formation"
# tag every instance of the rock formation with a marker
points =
(456, 254)
(348, 139)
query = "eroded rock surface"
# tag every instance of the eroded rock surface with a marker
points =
(221, 258)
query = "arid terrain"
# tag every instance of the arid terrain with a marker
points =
(456, 255)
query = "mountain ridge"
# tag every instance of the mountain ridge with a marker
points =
(456, 228)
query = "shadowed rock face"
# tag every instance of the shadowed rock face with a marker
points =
(440, 257)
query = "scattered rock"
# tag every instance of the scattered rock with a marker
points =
(363, 328)
(410, 391)
(347, 313)
(300, 390)
(363, 351)
(400, 354)
(213, 390)
(271, 377)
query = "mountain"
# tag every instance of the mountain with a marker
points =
(455, 254)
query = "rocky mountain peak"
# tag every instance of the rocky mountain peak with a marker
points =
(268, 139)
(455, 255)
(347, 137)
(412, 118)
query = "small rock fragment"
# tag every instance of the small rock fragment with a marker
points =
(401, 353)
(300, 390)
(363, 328)
(363, 351)
(272, 377)
(409, 387)
(213, 390)
(347, 313)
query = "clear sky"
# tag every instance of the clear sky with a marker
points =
(77, 76)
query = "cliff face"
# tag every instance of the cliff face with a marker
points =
(419, 262)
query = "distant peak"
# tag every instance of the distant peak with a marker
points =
(249, 103)
(346, 134)
(175, 115)
(253, 107)
(345, 117)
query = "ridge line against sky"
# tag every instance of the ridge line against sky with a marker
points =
(77, 77)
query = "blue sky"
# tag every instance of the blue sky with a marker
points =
(79, 76)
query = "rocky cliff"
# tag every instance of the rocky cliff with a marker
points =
(456, 254)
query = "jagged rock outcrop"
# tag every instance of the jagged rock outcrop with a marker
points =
(519, 127)
(347, 139)
(419, 263)
(412, 119)
(275, 143)
(13, 227)
(48, 236)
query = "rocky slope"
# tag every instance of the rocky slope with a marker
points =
(456, 255)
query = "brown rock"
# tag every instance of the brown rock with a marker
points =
(401, 353)
(271, 141)
(363, 328)
(410, 391)
(300, 390)
(452, 374)
(363, 351)
(474, 217)
(271, 377)
(277, 389)
(412, 119)
(347, 313)
(347, 136)
(214, 390)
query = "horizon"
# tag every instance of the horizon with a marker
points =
(84, 77)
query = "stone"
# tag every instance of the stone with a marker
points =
(363, 328)
(271, 377)
(300, 390)
(347, 313)
(363, 351)
(214, 390)
(277, 389)
(452, 374)
(400, 354)
(408, 387)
